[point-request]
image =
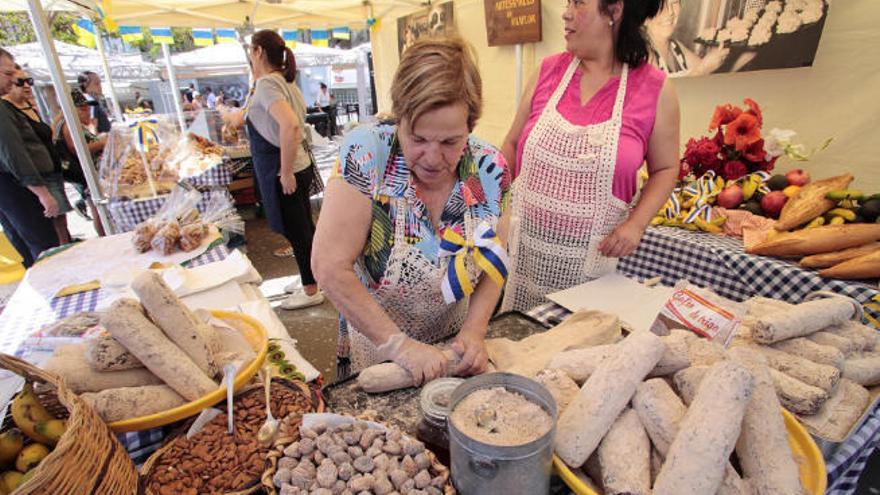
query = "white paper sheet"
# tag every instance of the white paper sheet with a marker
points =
(633, 302)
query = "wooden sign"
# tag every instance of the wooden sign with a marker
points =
(509, 22)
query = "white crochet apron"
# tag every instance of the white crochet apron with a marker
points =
(410, 294)
(563, 204)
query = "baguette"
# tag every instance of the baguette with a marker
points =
(128, 325)
(824, 239)
(810, 202)
(698, 457)
(762, 449)
(625, 457)
(604, 396)
(827, 260)
(863, 267)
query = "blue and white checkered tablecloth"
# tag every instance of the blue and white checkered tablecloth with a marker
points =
(127, 214)
(219, 175)
(720, 263)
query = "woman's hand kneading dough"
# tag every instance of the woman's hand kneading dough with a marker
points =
(423, 361)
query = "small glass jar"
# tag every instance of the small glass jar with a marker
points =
(432, 430)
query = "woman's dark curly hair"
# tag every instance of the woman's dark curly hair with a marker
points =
(632, 48)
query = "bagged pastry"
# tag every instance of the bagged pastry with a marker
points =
(165, 240)
(192, 235)
(143, 235)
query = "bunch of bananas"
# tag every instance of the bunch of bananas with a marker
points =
(37, 424)
(713, 226)
(852, 207)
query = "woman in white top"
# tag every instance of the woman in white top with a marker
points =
(282, 166)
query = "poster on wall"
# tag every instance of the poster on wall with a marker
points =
(436, 20)
(698, 37)
(509, 22)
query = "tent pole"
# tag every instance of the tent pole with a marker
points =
(99, 43)
(41, 29)
(518, 80)
(175, 89)
(362, 79)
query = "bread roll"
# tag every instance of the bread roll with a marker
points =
(818, 240)
(698, 457)
(827, 260)
(810, 202)
(802, 319)
(69, 361)
(128, 325)
(762, 449)
(625, 457)
(604, 395)
(117, 404)
(181, 325)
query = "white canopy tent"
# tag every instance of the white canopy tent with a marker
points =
(76, 59)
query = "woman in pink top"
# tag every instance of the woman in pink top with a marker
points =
(587, 122)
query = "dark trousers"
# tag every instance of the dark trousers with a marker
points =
(21, 215)
(299, 229)
(330, 110)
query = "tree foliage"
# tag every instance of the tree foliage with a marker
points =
(16, 28)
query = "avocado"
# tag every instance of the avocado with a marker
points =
(870, 209)
(777, 183)
(753, 207)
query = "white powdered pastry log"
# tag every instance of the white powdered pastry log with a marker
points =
(843, 344)
(677, 355)
(181, 325)
(687, 381)
(385, 377)
(661, 412)
(807, 349)
(579, 364)
(762, 449)
(561, 387)
(604, 395)
(697, 459)
(839, 413)
(126, 323)
(70, 362)
(864, 370)
(797, 396)
(117, 404)
(864, 337)
(817, 375)
(625, 457)
(106, 354)
(803, 319)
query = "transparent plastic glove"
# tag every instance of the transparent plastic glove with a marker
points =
(423, 361)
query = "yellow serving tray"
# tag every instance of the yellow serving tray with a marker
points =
(806, 453)
(253, 331)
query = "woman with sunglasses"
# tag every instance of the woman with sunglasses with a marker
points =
(21, 97)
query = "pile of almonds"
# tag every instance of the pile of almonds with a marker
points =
(214, 462)
(353, 458)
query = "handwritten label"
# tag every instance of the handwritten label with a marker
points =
(509, 22)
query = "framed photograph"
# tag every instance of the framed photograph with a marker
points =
(436, 20)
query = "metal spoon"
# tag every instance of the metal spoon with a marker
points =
(266, 434)
(229, 376)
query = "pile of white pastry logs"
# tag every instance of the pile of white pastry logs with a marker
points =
(633, 434)
(155, 355)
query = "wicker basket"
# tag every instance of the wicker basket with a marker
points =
(278, 452)
(88, 458)
(254, 387)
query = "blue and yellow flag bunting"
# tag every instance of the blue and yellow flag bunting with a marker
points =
(290, 38)
(203, 37)
(131, 34)
(85, 33)
(489, 256)
(226, 36)
(145, 133)
(341, 33)
(162, 35)
(320, 37)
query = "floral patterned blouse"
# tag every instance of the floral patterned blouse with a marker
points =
(372, 161)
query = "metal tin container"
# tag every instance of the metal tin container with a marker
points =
(479, 468)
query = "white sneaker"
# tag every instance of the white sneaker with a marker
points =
(300, 299)
(293, 287)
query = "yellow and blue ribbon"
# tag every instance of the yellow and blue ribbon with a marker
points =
(703, 190)
(489, 255)
(145, 133)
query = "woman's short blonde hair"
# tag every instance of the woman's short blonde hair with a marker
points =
(433, 73)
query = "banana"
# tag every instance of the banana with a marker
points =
(817, 222)
(52, 429)
(31, 456)
(11, 442)
(848, 215)
(707, 227)
(836, 221)
(27, 412)
(844, 194)
(658, 220)
(719, 183)
(10, 480)
(718, 221)
(749, 188)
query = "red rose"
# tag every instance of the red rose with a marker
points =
(734, 169)
(701, 153)
(755, 151)
(767, 166)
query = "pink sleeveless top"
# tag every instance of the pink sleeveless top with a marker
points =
(639, 111)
